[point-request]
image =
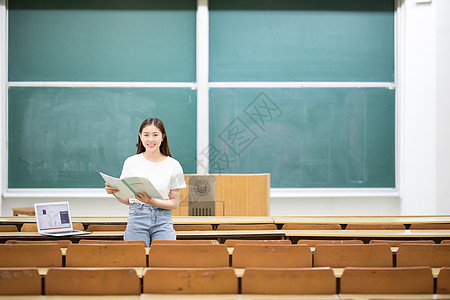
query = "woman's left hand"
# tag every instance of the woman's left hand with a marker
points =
(144, 197)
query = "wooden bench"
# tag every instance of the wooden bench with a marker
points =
(20, 281)
(188, 256)
(288, 281)
(30, 255)
(281, 256)
(8, 228)
(98, 281)
(190, 281)
(395, 280)
(437, 255)
(357, 255)
(112, 255)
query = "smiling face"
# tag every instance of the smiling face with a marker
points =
(151, 137)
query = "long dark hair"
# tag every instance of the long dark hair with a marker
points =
(164, 148)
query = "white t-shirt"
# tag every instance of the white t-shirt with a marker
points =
(165, 175)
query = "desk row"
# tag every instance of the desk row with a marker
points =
(249, 222)
(218, 255)
(293, 235)
(306, 281)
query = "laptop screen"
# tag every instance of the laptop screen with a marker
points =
(50, 216)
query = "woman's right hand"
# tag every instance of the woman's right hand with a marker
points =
(110, 189)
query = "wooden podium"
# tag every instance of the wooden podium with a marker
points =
(225, 195)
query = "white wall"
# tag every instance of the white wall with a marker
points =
(424, 131)
(443, 106)
(418, 106)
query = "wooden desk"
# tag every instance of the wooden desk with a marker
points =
(102, 235)
(344, 220)
(19, 220)
(220, 235)
(29, 211)
(367, 235)
(233, 297)
(391, 297)
(222, 220)
(139, 270)
(146, 297)
(181, 297)
(337, 272)
(279, 220)
(147, 250)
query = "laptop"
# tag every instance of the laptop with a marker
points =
(54, 219)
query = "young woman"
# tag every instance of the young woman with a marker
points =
(151, 219)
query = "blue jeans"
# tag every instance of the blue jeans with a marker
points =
(149, 223)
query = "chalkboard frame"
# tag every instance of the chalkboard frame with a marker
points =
(350, 191)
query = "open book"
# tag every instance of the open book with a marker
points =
(129, 187)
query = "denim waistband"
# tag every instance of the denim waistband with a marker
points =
(144, 205)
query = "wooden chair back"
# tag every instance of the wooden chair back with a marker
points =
(190, 281)
(97, 227)
(313, 243)
(363, 226)
(435, 256)
(8, 228)
(429, 226)
(32, 227)
(192, 227)
(277, 281)
(98, 281)
(29, 227)
(345, 255)
(395, 280)
(233, 242)
(113, 255)
(445, 242)
(61, 243)
(110, 242)
(293, 226)
(443, 281)
(247, 227)
(78, 226)
(271, 256)
(188, 256)
(30, 255)
(20, 281)
(177, 242)
(396, 243)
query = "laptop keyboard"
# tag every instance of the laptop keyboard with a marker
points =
(68, 231)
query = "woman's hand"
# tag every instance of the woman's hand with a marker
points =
(171, 203)
(110, 189)
(145, 198)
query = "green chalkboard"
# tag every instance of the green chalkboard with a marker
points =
(102, 40)
(311, 138)
(62, 137)
(301, 40)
